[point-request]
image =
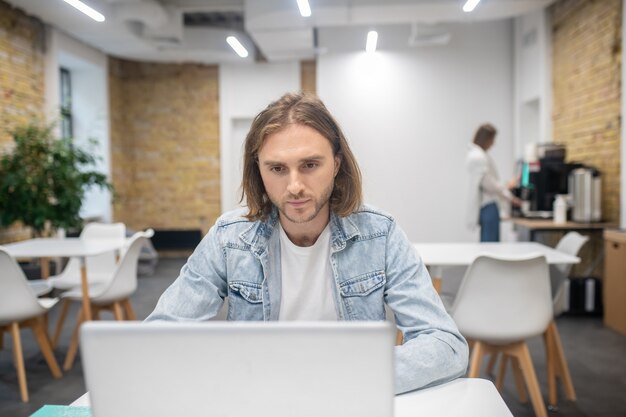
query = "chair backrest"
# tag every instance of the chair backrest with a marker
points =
(99, 264)
(17, 300)
(124, 281)
(502, 300)
(114, 231)
(571, 244)
(105, 262)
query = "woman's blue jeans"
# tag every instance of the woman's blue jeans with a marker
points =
(489, 223)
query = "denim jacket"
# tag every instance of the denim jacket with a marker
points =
(373, 264)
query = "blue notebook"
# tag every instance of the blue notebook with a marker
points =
(62, 411)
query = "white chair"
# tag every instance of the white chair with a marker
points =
(450, 283)
(100, 267)
(40, 287)
(19, 306)
(571, 244)
(501, 303)
(113, 295)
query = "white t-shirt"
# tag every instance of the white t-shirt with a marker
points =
(306, 291)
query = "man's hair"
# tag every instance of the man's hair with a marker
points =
(308, 110)
(484, 135)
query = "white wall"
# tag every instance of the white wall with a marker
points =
(90, 107)
(410, 115)
(244, 91)
(532, 80)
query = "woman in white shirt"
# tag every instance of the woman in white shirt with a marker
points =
(484, 186)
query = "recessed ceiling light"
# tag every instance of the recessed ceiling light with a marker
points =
(372, 40)
(305, 9)
(470, 5)
(94, 14)
(237, 46)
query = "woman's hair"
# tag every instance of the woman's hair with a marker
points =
(308, 110)
(485, 134)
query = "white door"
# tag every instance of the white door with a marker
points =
(234, 168)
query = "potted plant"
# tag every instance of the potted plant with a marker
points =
(43, 180)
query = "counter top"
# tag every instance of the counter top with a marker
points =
(549, 224)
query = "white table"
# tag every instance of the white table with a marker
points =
(438, 255)
(463, 397)
(459, 254)
(67, 247)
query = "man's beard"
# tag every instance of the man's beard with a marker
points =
(319, 205)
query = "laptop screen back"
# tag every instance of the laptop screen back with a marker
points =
(239, 369)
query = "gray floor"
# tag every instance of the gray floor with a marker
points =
(596, 355)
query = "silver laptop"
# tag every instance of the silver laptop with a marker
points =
(239, 369)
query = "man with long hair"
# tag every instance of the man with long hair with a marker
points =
(307, 248)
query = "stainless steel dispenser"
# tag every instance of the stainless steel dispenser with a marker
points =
(585, 187)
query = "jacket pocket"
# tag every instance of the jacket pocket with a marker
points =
(249, 291)
(363, 285)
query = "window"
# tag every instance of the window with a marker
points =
(66, 104)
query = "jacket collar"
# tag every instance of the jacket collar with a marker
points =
(342, 230)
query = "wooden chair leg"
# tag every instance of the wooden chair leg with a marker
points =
(19, 361)
(437, 284)
(551, 368)
(117, 311)
(492, 363)
(528, 370)
(470, 343)
(71, 351)
(561, 366)
(399, 337)
(501, 370)
(476, 360)
(44, 344)
(519, 381)
(46, 321)
(95, 312)
(130, 315)
(60, 322)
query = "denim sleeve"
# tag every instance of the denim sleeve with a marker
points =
(434, 351)
(198, 292)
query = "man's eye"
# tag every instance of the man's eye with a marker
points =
(311, 165)
(277, 170)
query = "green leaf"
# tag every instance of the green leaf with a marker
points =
(44, 179)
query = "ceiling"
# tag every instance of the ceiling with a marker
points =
(273, 30)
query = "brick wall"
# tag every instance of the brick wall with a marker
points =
(165, 144)
(586, 75)
(21, 70)
(21, 82)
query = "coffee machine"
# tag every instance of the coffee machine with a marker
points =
(543, 179)
(548, 176)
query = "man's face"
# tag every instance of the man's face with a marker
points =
(298, 170)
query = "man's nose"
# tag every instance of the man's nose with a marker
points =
(295, 185)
